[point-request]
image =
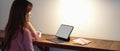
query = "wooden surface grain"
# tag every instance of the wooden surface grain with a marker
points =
(95, 45)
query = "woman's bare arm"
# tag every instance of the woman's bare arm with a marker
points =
(31, 28)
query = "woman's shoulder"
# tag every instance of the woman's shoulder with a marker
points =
(26, 31)
(27, 34)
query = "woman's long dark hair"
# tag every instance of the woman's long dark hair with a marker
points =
(17, 20)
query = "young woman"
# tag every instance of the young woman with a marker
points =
(19, 32)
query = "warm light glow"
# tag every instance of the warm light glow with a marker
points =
(76, 12)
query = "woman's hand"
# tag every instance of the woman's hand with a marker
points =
(40, 34)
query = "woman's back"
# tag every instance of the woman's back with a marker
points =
(22, 42)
